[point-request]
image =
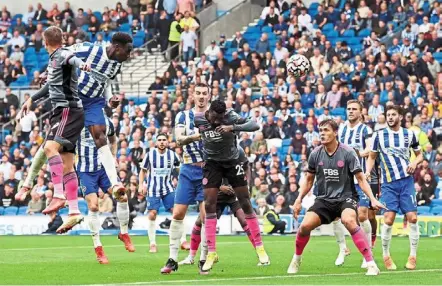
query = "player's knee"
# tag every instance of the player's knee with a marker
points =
(305, 229)
(349, 223)
(178, 215)
(388, 221)
(412, 217)
(50, 150)
(362, 216)
(152, 215)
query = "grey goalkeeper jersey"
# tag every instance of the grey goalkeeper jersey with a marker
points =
(62, 80)
(335, 173)
(222, 147)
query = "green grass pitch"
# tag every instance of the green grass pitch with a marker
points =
(48, 260)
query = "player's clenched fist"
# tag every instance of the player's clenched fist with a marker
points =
(297, 208)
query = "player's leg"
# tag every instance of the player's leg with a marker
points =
(364, 204)
(123, 218)
(241, 217)
(237, 179)
(409, 208)
(66, 126)
(189, 179)
(339, 231)
(37, 162)
(195, 240)
(390, 197)
(89, 182)
(311, 221)
(95, 121)
(350, 221)
(372, 215)
(374, 226)
(152, 229)
(70, 181)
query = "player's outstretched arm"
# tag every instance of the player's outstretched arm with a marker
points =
(249, 126)
(113, 142)
(305, 186)
(28, 103)
(365, 187)
(182, 139)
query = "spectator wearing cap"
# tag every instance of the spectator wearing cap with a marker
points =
(298, 146)
(7, 195)
(40, 14)
(212, 52)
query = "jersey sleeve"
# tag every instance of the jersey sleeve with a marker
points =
(375, 142)
(311, 168)
(145, 164)
(110, 128)
(368, 132)
(353, 162)
(176, 161)
(234, 118)
(82, 50)
(65, 56)
(180, 120)
(414, 142)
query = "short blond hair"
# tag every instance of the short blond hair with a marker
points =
(53, 36)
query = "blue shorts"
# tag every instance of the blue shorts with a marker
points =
(94, 111)
(399, 195)
(364, 201)
(154, 203)
(90, 182)
(190, 186)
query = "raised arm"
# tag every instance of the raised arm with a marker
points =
(180, 131)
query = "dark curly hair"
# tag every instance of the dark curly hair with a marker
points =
(121, 38)
(218, 106)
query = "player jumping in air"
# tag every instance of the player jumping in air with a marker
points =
(92, 177)
(93, 87)
(226, 198)
(335, 165)
(356, 134)
(189, 189)
(159, 163)
(217, 127)
(67, 121)
(393, 146)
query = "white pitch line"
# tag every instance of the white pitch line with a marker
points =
(119, 245)
(274, 276)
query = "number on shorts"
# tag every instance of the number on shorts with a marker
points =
(413, 200)
(239, 170)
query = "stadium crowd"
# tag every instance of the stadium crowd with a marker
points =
(379, 52)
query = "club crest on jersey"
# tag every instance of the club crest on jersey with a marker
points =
(205, 181)
(340, 163)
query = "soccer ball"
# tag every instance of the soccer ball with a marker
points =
(298, 66)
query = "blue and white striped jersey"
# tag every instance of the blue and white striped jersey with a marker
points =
(87, 151)
(394, 151)
(193, 152)
(160, 167)
(93, 84)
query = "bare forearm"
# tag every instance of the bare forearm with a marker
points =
(141, 178)
(370, 162)
(306, 186)
(185, 140)
(419, 159)
(113, 145)
(365, 187)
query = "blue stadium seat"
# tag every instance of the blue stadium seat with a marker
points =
(339, 111)
(266, 29)
(82, 203)
(138, 41)
(16, 16)
(436, 202)
(85, 27)
(22, 210)
(423, 210)
(364, 33)
(313, 6)
(30, 51)
(125, 28)
(328, 27)
(2, 209)
(63, 211)
(331, 34)
(98, 15)
(286, 142)
(83, 209)
(436, 210)
(349, 34)
(11, 211)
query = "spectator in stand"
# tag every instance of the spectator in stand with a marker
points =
(29, 14)
(16, 55)
(105, 204)
(422, 198)
(7, 196)
(81, 19)
(263, 45)
(17, 40)
(280, 27)
(185, 5)
(266, 10)
(36, 204)
(271, 18)
(343, 24)
(212, 52)
(40, 14)
(163, 28)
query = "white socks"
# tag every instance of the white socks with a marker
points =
(176, 231)
(366, 227)
(151, 231)
(38, 162)
(338, 229)
(123, 216)
(107, 160)
(183, 237)
(414, 238)
(204, 249)
(94, 227)
(386, 239)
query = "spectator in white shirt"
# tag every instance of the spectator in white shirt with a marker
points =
(30, 14)
(304, 20)
(189, 44)
(266, 10)
(363, 10)
(212, 51)
(279, 52)
(16, 55)
(26, 125)
(315, 60)
(5, 166)
(425, 26)
(17, 40)
(375, 109)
